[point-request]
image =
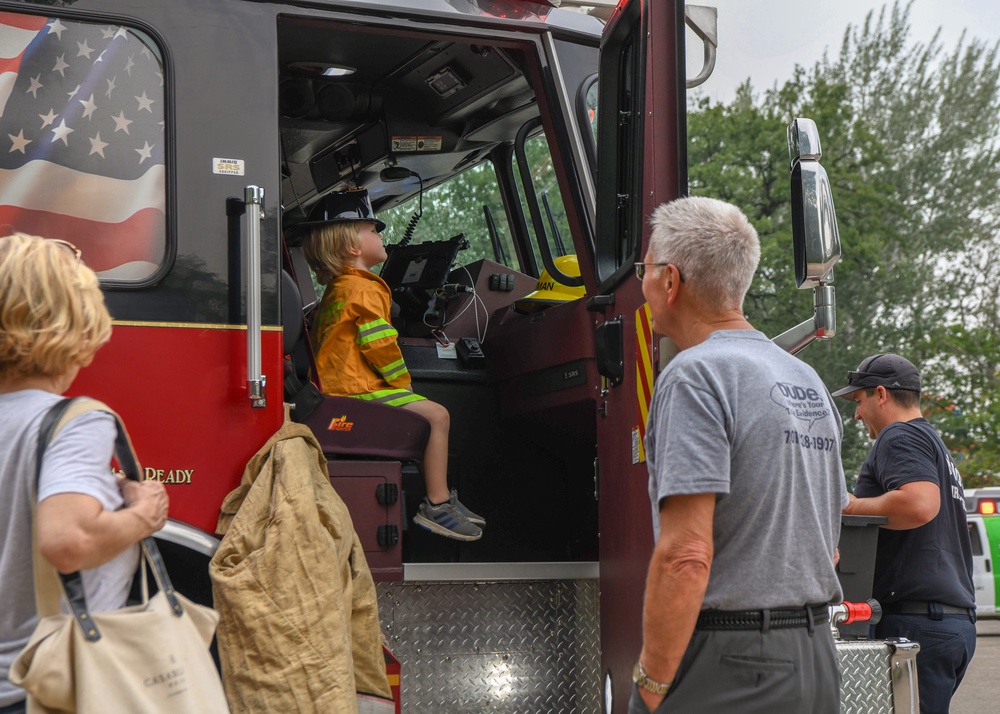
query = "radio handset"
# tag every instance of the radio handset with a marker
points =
(401, 173)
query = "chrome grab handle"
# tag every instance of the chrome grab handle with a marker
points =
(253, 198)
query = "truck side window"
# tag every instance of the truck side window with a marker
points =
(545, 188)
(588, 111)
(591, 104)
(83, 120)
(977, 541)
(622, 99)
(454, 207)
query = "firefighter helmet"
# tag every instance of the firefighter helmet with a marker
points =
(340, 206)
(549, 291)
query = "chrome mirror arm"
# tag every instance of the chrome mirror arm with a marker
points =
(821, 326)
(704, 21)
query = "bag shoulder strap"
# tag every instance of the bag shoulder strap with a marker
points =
(46, 582)
(58, 416)
(47, 585)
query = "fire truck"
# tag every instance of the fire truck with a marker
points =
(177, 143)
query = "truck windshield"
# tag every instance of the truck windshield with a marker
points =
(546, 191)
(458, 205)
(462, 203)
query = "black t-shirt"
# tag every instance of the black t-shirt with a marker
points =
(933, 562)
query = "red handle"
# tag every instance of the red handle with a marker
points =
(867, 611)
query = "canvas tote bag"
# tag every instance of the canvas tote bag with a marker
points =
(151, 658)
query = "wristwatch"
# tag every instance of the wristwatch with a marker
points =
(642, 679)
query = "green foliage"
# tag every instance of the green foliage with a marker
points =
(910, 142)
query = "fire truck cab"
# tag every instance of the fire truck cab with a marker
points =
(179, 143)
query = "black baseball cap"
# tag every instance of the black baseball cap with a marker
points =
(339, 207)
(882, 370)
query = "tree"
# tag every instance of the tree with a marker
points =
(910, 139)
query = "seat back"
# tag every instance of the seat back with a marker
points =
(292, 317)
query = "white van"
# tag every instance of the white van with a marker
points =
(984, 532)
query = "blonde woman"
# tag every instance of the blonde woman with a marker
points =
(52, 323)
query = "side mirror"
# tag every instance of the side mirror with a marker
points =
(814, 220)
(814, 234)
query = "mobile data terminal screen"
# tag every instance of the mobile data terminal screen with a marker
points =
(424, 266)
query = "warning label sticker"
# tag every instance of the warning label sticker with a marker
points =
(233, 167)
(416, 143)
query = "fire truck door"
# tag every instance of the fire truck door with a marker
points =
(641, 163)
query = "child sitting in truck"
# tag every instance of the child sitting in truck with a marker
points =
(355, 343)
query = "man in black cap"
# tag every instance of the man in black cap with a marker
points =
(923, 566)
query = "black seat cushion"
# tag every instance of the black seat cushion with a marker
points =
(349, 427)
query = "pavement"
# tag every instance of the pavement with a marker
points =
(978, 693)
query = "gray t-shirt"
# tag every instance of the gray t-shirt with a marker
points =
(78, 461)
(739, 417)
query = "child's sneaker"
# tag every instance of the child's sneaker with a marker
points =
(446, 520)
(474, 518)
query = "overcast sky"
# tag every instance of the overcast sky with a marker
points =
(765, 40)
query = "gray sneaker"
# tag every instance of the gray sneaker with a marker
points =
(473, 517)
(446, 520)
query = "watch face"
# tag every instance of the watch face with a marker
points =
(609, 695)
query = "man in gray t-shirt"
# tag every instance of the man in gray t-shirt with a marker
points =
(746, 485)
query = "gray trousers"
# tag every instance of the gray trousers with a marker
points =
(785, 671)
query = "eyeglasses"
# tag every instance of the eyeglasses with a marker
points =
(70, 247)
(640, 269)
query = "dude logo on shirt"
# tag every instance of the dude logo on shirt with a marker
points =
(803, 403)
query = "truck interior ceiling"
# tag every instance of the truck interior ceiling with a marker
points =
(452, 137)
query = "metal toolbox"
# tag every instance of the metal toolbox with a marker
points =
(878, 676)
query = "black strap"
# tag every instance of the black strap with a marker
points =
(49, 421)
(305, 396)
(307, 391)
(73, 582)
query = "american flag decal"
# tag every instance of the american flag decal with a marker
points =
(82, 140)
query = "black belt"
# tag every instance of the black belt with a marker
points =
(922, 607)
(763, 620)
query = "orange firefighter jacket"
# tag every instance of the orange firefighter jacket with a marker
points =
(353, 340)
